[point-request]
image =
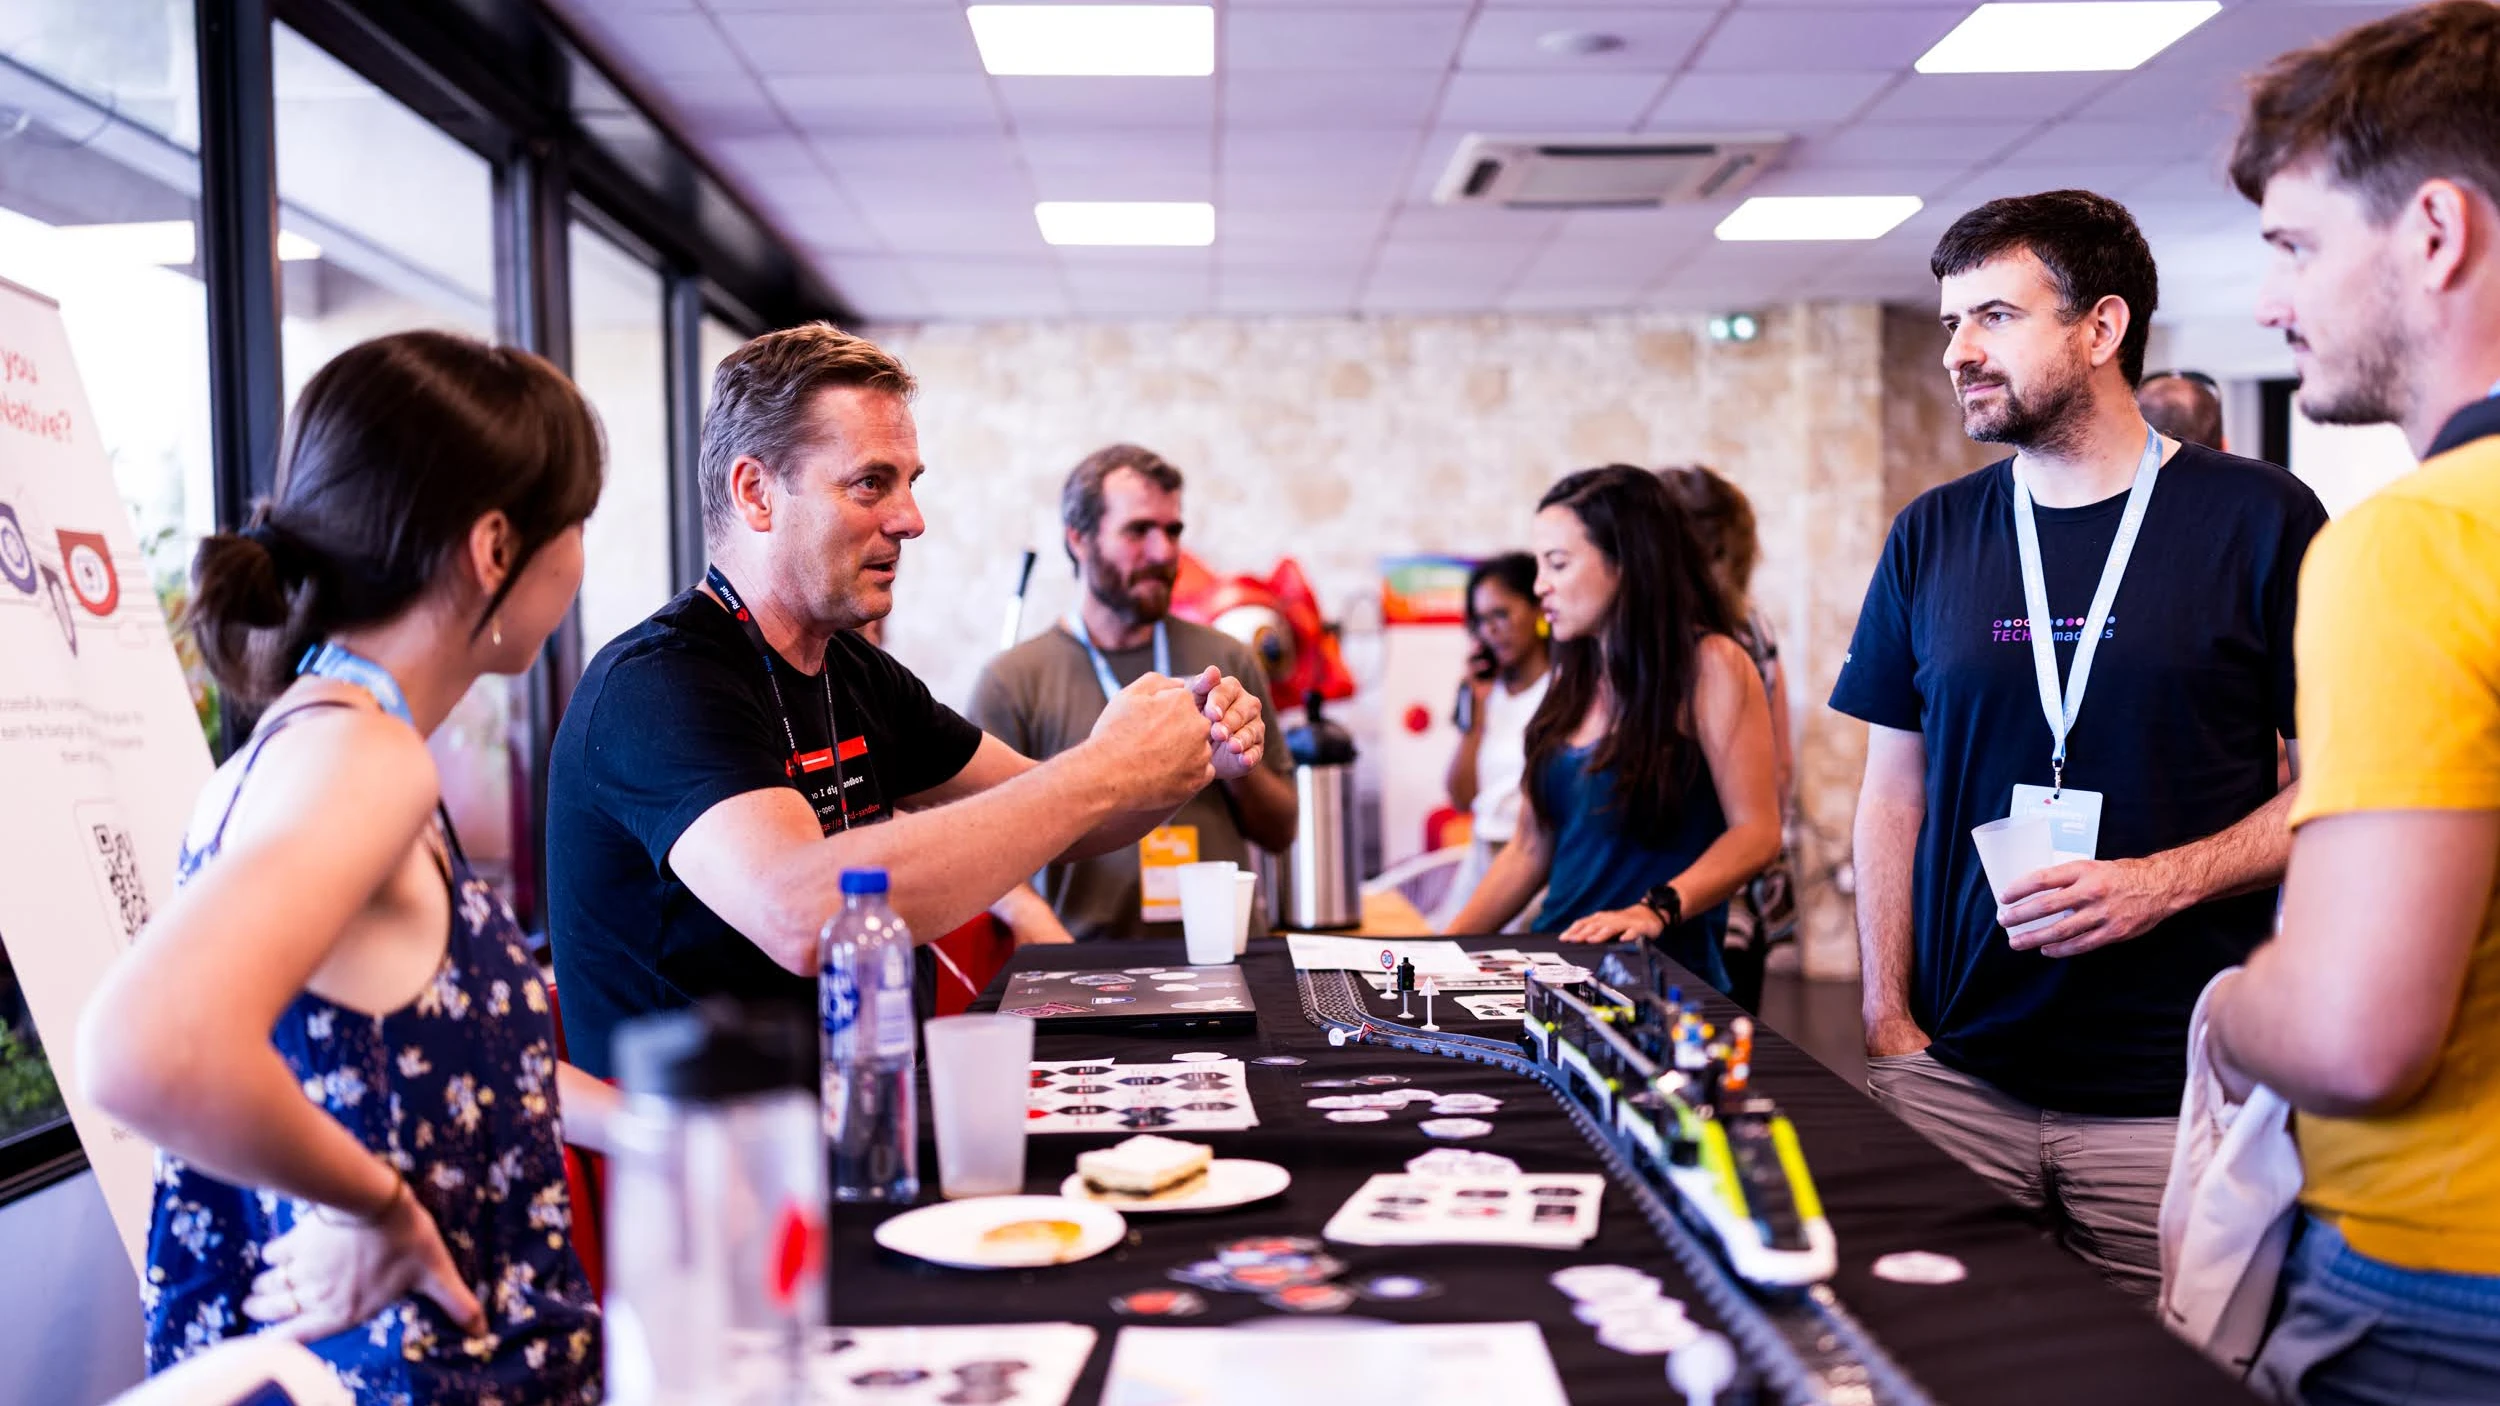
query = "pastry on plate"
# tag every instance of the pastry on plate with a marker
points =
(1144, 1165)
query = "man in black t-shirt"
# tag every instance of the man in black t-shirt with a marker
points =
(2051, 1059)
(724, 761)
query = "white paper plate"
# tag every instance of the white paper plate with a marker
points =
(950, 1232)
(1230, 1181)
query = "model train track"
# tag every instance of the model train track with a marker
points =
(1810, 1350)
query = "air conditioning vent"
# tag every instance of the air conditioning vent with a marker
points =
(1603, 172)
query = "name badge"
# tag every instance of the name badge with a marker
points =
(1159, 858)
(2074, 819)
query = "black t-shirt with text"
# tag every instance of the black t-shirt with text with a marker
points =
(2193, 680)
(673, 717)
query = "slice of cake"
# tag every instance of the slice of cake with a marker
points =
(1144, 1165)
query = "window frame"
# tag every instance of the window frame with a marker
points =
(499, 76)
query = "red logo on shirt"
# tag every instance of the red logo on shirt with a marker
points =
(814, 761)
(854, 749)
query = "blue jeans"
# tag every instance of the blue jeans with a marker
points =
(2354, 1331)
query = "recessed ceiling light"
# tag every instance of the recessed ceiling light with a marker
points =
(1768, 217)
(1120, 41)
(171, 242)
(2065, 37)
(1182, 222)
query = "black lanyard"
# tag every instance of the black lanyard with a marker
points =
(772, 674)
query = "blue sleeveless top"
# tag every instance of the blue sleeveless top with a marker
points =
(1598, 865)
(457, 1090)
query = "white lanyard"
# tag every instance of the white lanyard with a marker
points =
(1075, 625)
(2061, 706)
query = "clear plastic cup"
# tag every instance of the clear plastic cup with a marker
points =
(1209, 912)
(980, 1068)
(2012, 850)
(1245, 901)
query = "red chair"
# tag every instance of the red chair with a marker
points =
(581, 1185)
(968, 959)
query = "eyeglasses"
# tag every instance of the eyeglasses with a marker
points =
(2198, 377)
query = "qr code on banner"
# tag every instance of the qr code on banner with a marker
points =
(120, 880)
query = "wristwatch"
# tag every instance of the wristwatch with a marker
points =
(1666, 903)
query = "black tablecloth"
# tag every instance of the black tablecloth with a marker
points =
(2029, 1323)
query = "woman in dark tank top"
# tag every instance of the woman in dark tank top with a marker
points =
(1650, 789)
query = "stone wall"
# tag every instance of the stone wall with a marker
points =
(1337, 441)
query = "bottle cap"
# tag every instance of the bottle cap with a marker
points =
(863, 881)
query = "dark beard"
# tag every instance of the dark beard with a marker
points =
(2048, 423)
(1118, 594)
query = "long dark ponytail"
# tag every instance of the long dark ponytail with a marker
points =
(1666, 601)
(399, 445)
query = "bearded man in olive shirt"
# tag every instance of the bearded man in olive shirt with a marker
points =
(1121, 514)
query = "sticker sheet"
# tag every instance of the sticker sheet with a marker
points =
(1004, 1364)
(1555, 1212)
(1412, 1362)
(1100, 1096)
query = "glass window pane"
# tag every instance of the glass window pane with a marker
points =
(397, 219)
(619, 364)
(96, 213)
(714, 341)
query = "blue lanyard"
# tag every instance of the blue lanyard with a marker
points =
(1075, 625)
(332, 660)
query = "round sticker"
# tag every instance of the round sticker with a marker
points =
(1160, 1303)
(1921, 1267)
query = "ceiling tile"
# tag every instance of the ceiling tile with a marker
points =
(2168, 139)
(1260, 236)
(876, 288)
(879, 41)
(957, 227)
(1126, 285)
(973, 283)
(1925, 182)
(1861, 39)
(1046, 104)
(1490, 224)
(662, 46)
(1729, 102)
(768, 157)
(2017, 178)
(1115, 165)
(1953, 145)
(820, 218)
(1985, 97)
(1365, 39)
(888, 104)
(1265, 292)
(707, 111)
(1667, 226)
(1540, 102)
(1390, 98)
(1650, 40)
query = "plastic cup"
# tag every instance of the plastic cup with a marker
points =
(1245, 899)
(2012, 850)
(980, 1068)
(1208, 912)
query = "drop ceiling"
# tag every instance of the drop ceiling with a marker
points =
(868, 133)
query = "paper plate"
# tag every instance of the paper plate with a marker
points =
(950, 1233)
(1230, 1181)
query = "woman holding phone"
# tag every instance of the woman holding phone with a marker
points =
(333, 1032)
(1649, 764)
(1504, 684)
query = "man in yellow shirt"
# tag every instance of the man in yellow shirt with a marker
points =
(2376, 1012)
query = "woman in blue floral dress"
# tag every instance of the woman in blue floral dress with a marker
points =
(333, 1032)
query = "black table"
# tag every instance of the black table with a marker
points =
(2029, 1323)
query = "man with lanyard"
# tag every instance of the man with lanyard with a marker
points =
(2376, 1013)
(725, 760)
(1120, 512)
(2097, 631)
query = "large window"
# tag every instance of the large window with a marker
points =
(403, 218)
(99, 126)
(619, 361)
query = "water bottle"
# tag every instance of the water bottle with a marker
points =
(864, 987)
